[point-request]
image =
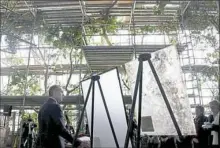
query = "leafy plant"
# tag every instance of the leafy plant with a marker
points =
(25, 116)
(15, 25)
(157, 10)
(209, 40)
(17, 84)
(102, 26)
(17, 79)
(199, 17)
(34, 116)
(68, 40)
(64, 38)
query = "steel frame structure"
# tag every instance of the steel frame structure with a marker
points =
(76, 13)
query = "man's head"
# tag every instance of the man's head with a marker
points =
(199, 110)
(214, 106)
(56, 92)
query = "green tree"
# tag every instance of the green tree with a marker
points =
(103, 26)
(25, 116)
(68, 40)
(17, 80)
(209, 40)
(202, 19)
(17, 84)
(34, 116)
(199, 16)
(17, 27)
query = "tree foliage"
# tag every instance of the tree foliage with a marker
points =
(68, 40)
(208, 40)
(201, 15)
(34, 116)
(17, 84)
(64, 38)
(17, 81)
(17, 25)
(102, 26)
(25, 116)
(203, 21)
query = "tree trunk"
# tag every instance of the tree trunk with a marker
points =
(71, 71)
(105, 36)
(46, 79)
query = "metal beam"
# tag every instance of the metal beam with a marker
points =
(36, 101)
(199, 68)
(82, 6)
(40, 69)
(39, 100)
(31, 8)
(185, 8)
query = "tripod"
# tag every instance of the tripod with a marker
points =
(138, 85)
(92, 85)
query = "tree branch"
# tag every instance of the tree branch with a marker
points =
(71, 90)
(106, 11)
(212, 20)
(46, 79)
(71, 70)
(124, 83)
(105, 36)
(76, 87)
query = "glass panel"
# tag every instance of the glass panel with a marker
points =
(169, 71)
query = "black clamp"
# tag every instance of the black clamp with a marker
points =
(144, 57)
(95, 78)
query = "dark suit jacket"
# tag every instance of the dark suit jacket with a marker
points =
(202, 134)
(52, 131)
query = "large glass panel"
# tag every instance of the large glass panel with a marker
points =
(169, 71)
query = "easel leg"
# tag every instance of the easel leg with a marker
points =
(165, 99)
(108, 115)
(139, 106)
(92, 114)
(82, 113)
(129, 130)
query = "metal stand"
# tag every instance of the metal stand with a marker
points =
(92, 85)
(138, 85)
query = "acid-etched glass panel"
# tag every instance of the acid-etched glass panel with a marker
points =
(168, 68)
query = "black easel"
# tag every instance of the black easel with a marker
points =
(92, 85)
(138, 85)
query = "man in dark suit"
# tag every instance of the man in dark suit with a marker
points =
(52, 131)
(202, 135)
